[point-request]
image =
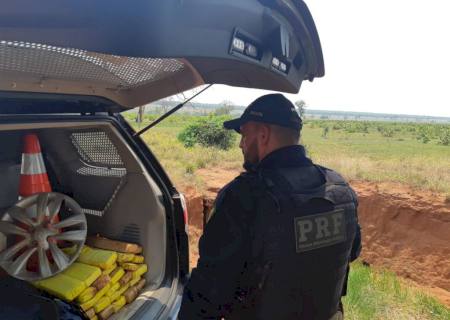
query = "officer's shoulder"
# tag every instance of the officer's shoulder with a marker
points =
(335, 177)
(239, 186)
(238, 192)
(332, 175)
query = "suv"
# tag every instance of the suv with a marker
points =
(68, 70)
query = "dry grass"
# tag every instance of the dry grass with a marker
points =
(368, 156)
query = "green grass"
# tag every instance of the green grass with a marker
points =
(380, 295)
(358, 150)
(370, 156)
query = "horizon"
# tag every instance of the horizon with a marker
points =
(178, 99)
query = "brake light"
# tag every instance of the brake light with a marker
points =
(185, 212)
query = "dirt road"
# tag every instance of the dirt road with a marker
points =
(404, 230)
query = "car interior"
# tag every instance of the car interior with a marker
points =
(91, 163)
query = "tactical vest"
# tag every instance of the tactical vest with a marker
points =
(300, 246)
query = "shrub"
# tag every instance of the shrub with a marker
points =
(423, 137)
(208, 132)
(189, 169)
(444, 137)
(356, 127)
(387, 132)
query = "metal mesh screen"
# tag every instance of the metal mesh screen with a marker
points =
(74, 64)
(95, 148)
(99, 158)
(93, 212)
(101, 172)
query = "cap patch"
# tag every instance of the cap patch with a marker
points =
(255, 113)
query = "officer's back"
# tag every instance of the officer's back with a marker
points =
(289, 229)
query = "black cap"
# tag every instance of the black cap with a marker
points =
(271, 109)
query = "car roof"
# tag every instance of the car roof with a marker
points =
(133, 53)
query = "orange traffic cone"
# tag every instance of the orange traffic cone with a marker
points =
(33, 180)
(33, 175)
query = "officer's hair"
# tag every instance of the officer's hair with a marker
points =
(285, 135)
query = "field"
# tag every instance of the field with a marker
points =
(414, 154)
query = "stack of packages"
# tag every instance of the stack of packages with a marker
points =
(102, 281)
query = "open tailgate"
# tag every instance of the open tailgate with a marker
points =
(132, 53)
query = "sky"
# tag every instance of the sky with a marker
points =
(387, 56)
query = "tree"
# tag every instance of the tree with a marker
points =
(325, 132)
(140, 115)
(301, 106)
(167, 103)
(225, 109)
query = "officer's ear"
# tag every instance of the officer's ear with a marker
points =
(264, 132)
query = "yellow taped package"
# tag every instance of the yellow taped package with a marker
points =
(101, 304)
(119, 292)
(134, 280)
(116, 275)
(62, 286)
(119, 303)
(138, 259)
(110, 269)
(113, 289)
(87, 295)
(83, 272)
(89, 304)
(90, 313)
(125, 257)
(97, 257)
(140, 270)
(129, 266)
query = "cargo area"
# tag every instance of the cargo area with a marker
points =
(91, 163)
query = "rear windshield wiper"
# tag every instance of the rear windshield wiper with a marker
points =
(168, 113)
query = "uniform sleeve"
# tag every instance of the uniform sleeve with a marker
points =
(211, 288)
(356, 246)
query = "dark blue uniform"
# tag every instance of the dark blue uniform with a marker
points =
(270, 251)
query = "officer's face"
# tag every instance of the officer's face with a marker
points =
(249, 143)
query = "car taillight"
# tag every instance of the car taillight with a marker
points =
(185, 212)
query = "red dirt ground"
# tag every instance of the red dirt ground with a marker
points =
(404, 230)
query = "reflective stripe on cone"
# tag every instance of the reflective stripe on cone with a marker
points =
(33, 175)
(32, 163)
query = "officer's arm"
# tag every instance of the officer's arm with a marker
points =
(356, 246)
(211, 288)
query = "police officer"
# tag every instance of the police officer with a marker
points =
(282, 234)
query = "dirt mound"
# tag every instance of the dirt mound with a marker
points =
(404, 230)
(194, 203)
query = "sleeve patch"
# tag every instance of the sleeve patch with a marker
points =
(320, 230)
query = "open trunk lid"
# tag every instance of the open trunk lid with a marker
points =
(113, 55)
